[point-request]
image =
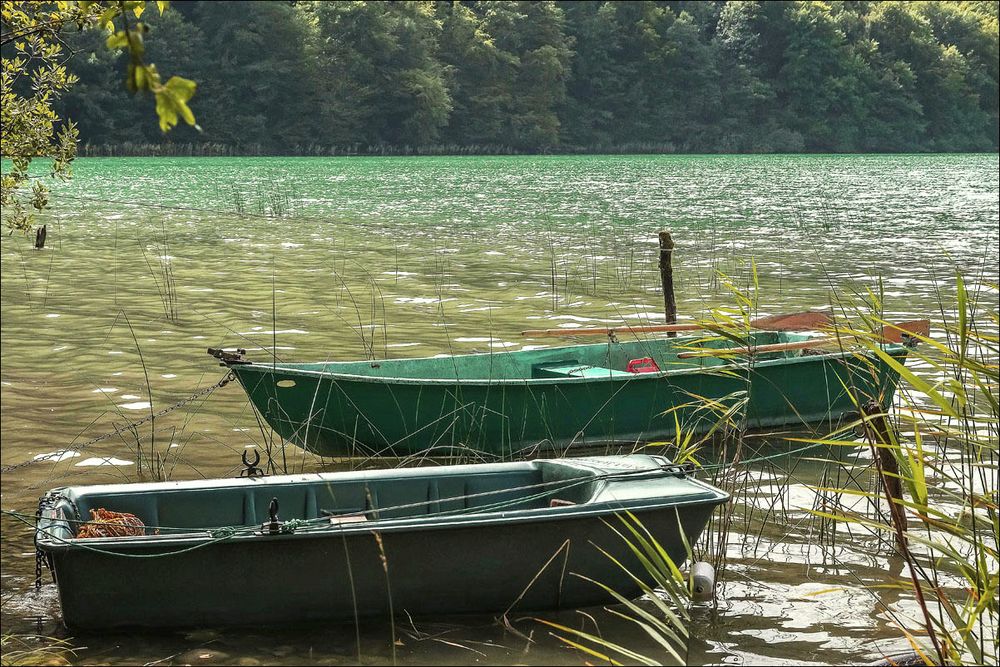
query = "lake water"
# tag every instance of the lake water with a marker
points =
(151, 261)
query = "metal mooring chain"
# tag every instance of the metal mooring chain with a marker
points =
(41, 558)
(229, 377)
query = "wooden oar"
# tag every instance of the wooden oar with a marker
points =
(891, 333)
(806, 321)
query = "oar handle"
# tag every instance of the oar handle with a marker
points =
(891, 333)
(805, 321)
(542, 333)
(759, 349)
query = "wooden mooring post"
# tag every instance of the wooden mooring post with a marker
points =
(880, 436)
(667, 279)
(879, 432)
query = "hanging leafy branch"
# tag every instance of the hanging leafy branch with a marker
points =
(34, 76)
(171, 97)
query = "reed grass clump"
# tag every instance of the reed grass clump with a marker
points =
(21, 650)
(666, 623)
(939, 440)
(162, 273)
(271, 198)
(944, 439)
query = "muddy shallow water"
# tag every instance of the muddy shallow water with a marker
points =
(150, 261)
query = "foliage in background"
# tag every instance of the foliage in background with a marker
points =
(499, 77)
(37, 41)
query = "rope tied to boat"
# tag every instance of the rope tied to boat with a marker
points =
(119, 430)
(275, 527)
(226, 533)
(217, 535)
(325, 522)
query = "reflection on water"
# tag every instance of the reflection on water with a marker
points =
(148, 264)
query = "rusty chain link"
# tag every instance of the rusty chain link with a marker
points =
(229, 377)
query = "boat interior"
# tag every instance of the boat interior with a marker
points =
(600, 360)
(184, 507)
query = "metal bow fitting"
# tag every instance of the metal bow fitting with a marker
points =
(251, 469)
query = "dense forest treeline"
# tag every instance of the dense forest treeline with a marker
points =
(482, 77)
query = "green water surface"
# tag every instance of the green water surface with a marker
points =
(151, 261)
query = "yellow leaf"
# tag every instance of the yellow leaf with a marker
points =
(171, 102)
(107, 16)
(118, 40)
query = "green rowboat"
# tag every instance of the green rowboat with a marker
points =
(485, 538)
(507, 402)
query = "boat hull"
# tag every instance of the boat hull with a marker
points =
(269, 581)
(351, 415)
(490, 561)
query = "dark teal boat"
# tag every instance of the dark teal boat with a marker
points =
(443, 540)
(507, 402)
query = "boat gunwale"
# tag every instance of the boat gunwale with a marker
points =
(49, 542)
(606, 477)
(891, 348)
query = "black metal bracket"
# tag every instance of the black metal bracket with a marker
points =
(226, 358)
(250, 467)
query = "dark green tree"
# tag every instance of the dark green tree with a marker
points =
(259, 80)
(816, 85)
(383, 60)
(488, 75)
(480, 75)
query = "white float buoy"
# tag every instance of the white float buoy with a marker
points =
(702, 581)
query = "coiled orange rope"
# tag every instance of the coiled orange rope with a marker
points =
(105, 523)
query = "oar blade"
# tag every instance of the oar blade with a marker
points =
(810, 320)
(894, 333)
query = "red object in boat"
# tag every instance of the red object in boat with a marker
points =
(644, 365)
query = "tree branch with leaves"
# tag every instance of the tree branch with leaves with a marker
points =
(35, 75)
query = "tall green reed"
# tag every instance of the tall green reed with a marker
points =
(942, 434)
(21, 650)
(943, 437)
(662, 583)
